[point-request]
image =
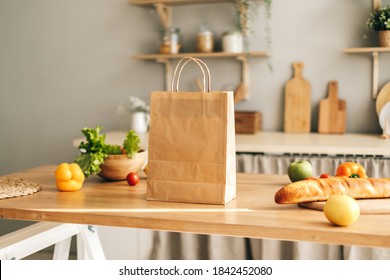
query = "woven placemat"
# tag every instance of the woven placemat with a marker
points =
(15, 187)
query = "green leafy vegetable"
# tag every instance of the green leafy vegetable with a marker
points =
(95, 150)
(90, 163)
(132, 144)
(113, 149)
(92, 152)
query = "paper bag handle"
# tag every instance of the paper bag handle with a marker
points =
(183, 63)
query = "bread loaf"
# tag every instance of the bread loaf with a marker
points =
(321, 189)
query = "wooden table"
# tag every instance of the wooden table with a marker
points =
(252, 214)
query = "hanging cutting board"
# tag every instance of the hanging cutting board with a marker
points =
(383, 97)
(367, 206)
(332, 112)
(297, 106)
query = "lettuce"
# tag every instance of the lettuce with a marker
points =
(113, 149)
(132, 144)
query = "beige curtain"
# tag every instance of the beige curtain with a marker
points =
(194, 246)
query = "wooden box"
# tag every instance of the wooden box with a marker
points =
(247, 122)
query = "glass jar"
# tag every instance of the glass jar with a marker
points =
(205, 40)
(170, 40)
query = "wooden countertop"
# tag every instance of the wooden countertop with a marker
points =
(252, 214)
(301, 143)
(313, 143)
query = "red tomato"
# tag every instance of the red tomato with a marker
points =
(324, 175)
(132, 179)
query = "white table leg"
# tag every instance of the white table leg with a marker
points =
(31, 239)
(91, 247)
(62, 249)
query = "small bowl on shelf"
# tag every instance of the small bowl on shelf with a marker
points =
(116, 167)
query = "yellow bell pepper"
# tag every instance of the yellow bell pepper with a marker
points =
(351, 170)
(69, 177)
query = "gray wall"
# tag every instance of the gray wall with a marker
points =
(65, 65)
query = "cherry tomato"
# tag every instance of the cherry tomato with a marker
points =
(132, 178)
(324, 175)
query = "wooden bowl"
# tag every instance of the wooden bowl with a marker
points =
(116, 167)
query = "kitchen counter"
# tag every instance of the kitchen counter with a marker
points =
(313, 143)
(292, 143)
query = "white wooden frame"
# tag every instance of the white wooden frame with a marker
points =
(31, 239)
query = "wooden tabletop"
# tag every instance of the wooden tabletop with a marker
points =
(252, 214)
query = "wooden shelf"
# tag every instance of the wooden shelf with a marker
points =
(366, 50)
(175, 2)
(199, 55)
(374, 51)
(167, 58)
(164, 11)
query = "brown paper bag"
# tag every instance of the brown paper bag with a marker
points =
(191, 152)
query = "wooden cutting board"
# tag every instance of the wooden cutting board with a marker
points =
(383, 97)
(332, 112)
(297, 106)
(367, 206)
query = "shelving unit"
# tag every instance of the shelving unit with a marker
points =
(200, 55)
(167, 58)
(164, 7)
(175, 2)
(375, 63)
(164, 11)
(374, 51)
(366, 50)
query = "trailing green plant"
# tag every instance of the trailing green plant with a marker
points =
(379, 19)
(267, 31)
(246, 12)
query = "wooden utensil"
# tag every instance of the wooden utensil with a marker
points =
(242, 90)
(367, 206)
(332, 112)
(297, 107)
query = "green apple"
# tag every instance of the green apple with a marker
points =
(299, 170)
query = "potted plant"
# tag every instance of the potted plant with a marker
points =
(379, 20)
(139, 113)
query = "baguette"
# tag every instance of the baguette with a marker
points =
(321, 189)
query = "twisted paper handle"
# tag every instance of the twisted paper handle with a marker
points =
(183, 63)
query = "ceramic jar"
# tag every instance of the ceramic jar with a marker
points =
(232, 42)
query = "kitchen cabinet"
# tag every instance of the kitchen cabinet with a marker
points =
(164, 11)
(374, 51)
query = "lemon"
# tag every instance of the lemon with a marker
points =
(341, 210)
